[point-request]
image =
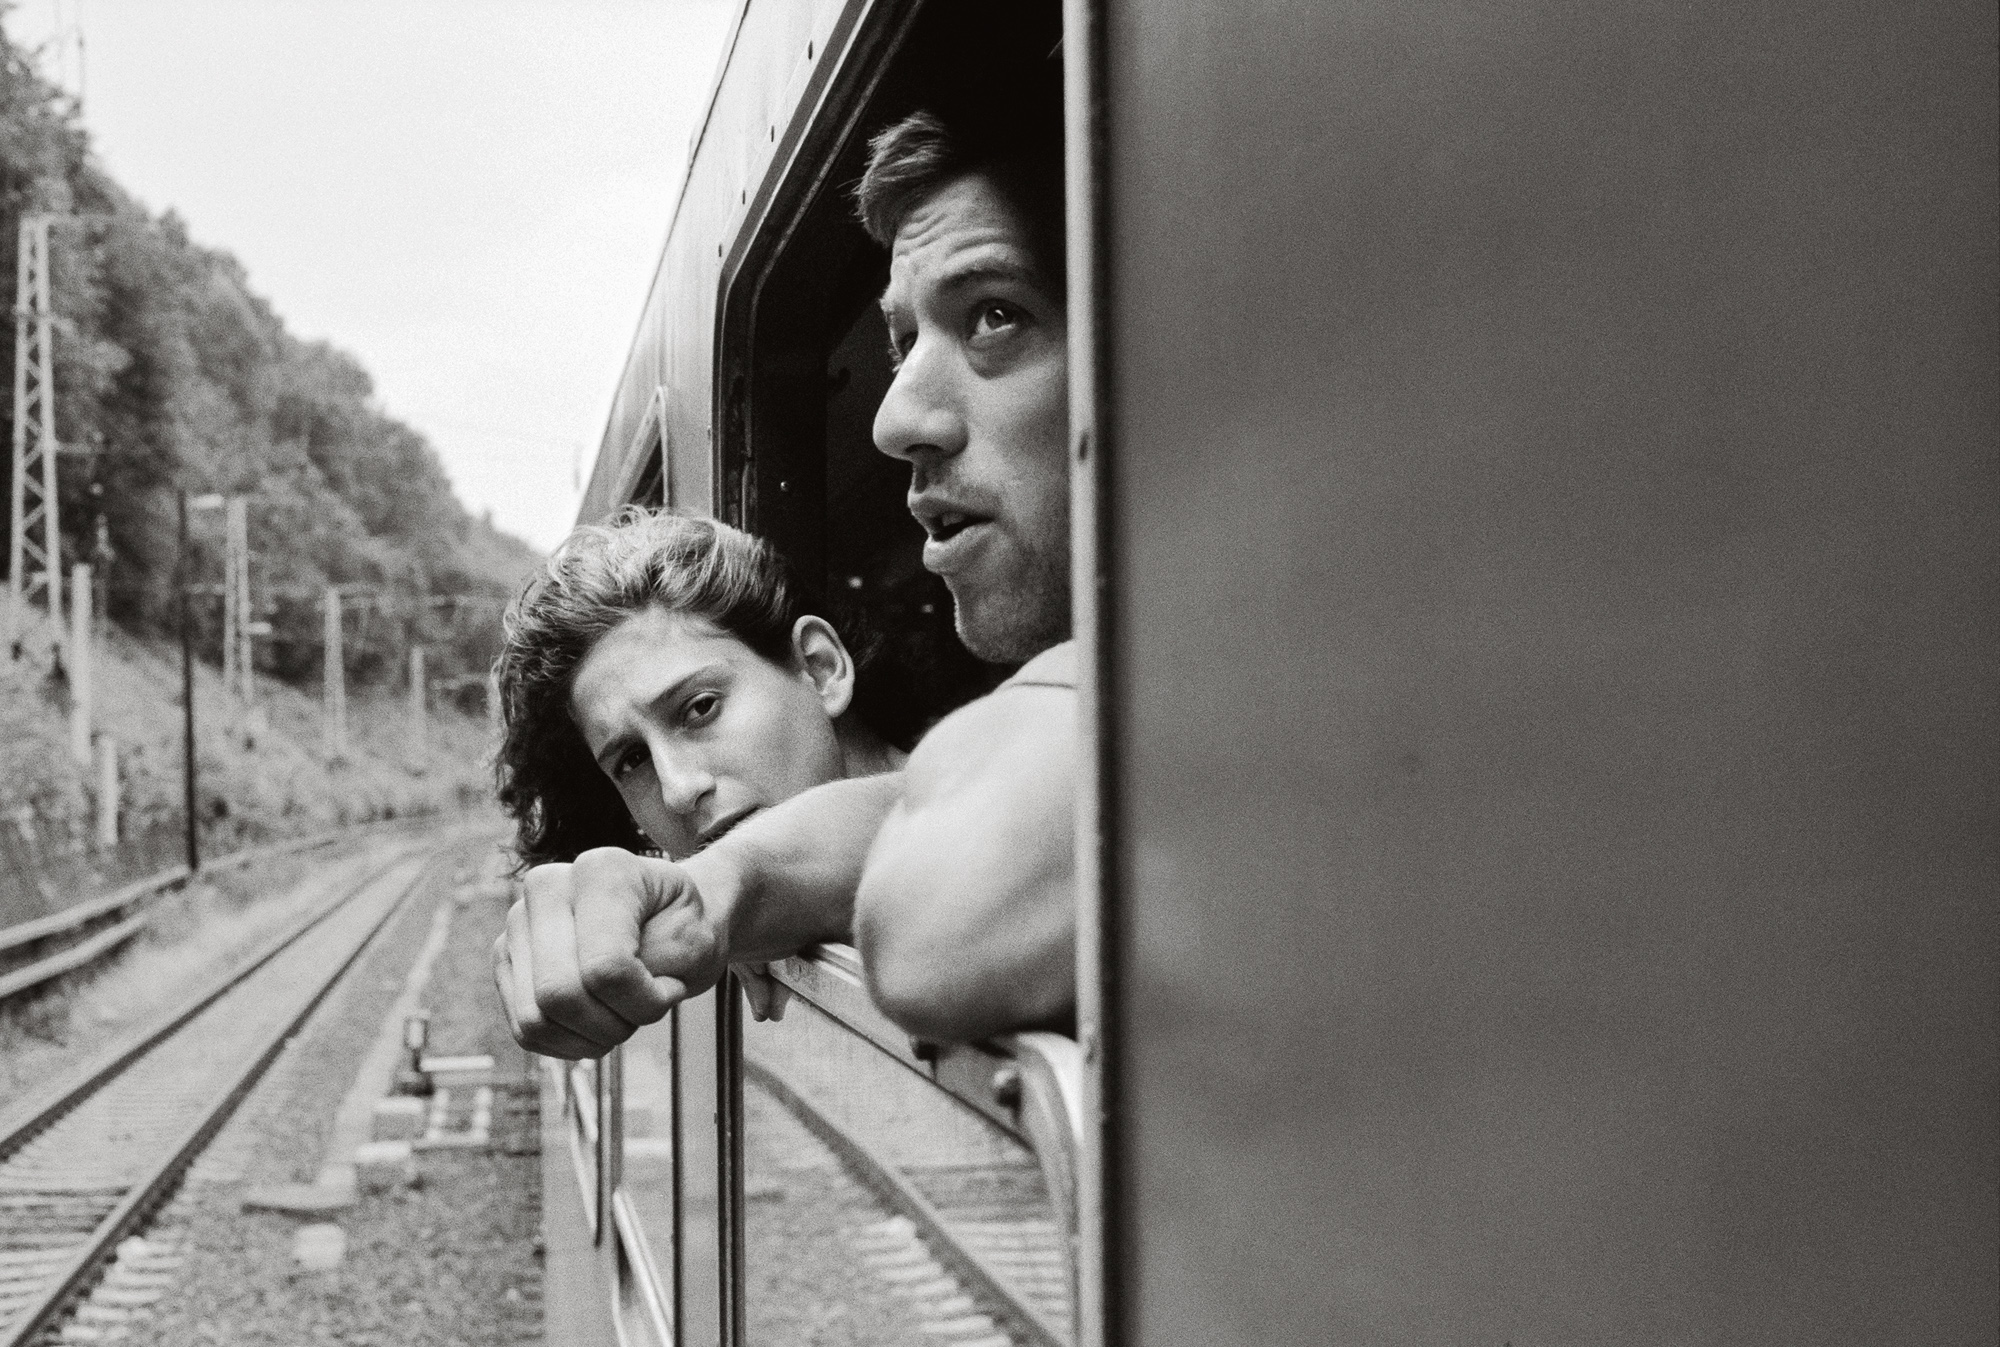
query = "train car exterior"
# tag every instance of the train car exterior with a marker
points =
(1537, 505)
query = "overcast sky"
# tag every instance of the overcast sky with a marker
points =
(469, 195)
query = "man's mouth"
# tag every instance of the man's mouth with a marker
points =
(944, 527)
(944, 518)
(954, 532)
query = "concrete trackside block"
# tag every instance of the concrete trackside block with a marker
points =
(383, 1166)
(319, 1247)
(338, 1178)
(447, 1066)
(397, 1118)
(475, 1069)
(298, 1199)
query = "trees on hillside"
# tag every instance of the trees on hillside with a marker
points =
(172, 374)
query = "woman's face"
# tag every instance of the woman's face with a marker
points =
(698, 731)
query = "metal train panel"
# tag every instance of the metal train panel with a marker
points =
(776, 60)
(1547, 665)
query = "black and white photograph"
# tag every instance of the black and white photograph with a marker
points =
(1000, 673)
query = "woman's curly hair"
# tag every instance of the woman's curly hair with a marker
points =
(561, 804)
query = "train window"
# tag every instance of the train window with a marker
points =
(651, 489)
(874, 1195)
(854, 1178)
(652, 485)
(804, 363)
(667, 1214)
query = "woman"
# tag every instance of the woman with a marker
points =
(663, 679)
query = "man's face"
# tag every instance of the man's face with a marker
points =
(980, 409)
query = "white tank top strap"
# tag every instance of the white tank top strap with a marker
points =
(1053, 668)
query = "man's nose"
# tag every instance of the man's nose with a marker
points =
(919, 415)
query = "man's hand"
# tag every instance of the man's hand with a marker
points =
(612, 941)
(598, 947)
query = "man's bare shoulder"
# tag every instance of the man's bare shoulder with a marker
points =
(1027, 724)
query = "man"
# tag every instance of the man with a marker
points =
(955, 876)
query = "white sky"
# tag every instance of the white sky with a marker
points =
(469, 195)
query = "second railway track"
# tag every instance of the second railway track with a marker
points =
(86, 1165)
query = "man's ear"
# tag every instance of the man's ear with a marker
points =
(821, 656)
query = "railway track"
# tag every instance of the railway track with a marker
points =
(82, 1168)
(36, 953)
(973, 1250)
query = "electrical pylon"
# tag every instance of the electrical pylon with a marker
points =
(34, 540)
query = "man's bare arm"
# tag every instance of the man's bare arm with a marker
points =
(966, 914)
(598, 947)
(786, 877)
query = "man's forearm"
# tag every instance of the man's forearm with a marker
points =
(786, 878)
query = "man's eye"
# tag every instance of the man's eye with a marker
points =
(701, 709)
(899, 348)
(994, 317)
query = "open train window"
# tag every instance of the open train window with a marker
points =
(804, 354)
(650, 485)
(651, 488)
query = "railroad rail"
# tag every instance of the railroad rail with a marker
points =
(1015, 1250)
(83, 1166)
(123, 913)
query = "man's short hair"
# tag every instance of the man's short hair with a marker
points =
(914, 158)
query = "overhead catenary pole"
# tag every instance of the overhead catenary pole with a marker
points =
(34, 540)
(107, 791)
(419, 718)
(229, 615)
(239, 580)
(190, 817)
(334, 681)
(80, 693)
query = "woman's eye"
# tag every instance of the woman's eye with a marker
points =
(628, 762)
(701, 709)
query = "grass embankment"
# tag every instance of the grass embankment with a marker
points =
(281, 786)
(278, 783)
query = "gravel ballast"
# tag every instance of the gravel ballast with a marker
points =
(451, 1262)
